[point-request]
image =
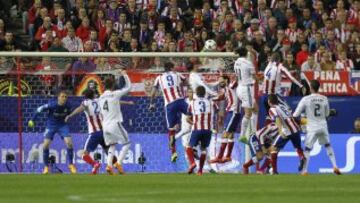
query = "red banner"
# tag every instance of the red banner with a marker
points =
(333, 82)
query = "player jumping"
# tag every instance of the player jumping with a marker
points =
(232, 118)
(202, 112)
(245, 73)
(57, 111)
(288, 130)
(316, 108)
(170, 83)
(110, 110)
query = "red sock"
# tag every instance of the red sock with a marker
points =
(172, 134)
(222, 150)
(266, 164)
(190, 154)
(300, 153)
(230, 148)
(257, 165)
(249, 163)
(87, 158)
(274, 161)
(202, 161)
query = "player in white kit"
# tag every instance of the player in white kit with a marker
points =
(114, 132)
(196, 80)
(245, 74)
(317, 110)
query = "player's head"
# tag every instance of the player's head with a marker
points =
(168, 66)
(89, 94)
(200, 91)
(242, 52)
(272, 100)
(314, 86)
(190, 66)
(109, 83)
(224, 80)
(62, 97)
(190, 93)
(275, 57)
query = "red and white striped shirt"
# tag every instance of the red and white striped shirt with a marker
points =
(273, 74)
(289, 126)
(232, 101)
(292, 34)
(92, 113)
(267, 134)
(203, 112)
(170, 84)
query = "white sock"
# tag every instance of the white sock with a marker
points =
(330, 153)
(244, 126)
(306, 164)
(110, 155)
(254, 119)
(123, 153)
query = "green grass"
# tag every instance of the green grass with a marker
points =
(173, 188)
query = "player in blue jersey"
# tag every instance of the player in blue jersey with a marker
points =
(57, 111)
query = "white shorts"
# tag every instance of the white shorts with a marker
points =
(246, 94)
(115, 133)
(312, 136)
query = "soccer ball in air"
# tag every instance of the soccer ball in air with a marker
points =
(210, 45)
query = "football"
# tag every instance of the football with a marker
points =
(210, 45)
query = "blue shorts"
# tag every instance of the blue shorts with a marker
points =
(255, 145)
(232, 121)
(63, 131)
(295, 139)
(200, 136)
(173, 112)
(93, 140)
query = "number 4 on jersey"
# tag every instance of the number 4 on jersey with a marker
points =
(106, 106)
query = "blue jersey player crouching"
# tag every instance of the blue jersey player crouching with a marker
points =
(57, 111)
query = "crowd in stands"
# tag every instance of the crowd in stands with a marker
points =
(309, 34)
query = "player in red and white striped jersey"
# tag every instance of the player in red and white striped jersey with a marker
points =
(260, 143)
(170, 83)
(91, 108)
(273, 74)
(232, 118)
(288, 130)
(202, 114)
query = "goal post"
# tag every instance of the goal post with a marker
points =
(33, 78)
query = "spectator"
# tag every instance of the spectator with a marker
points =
(343, 63)
(71, 42)
(94, 42)
(290, 62)
(46, 27)
(105, 33)
(83, 65)
(254, 27)
(60, 20)
(302, 55)
(100, 20)
(159, 35)
(327, 63)
(258, 41)
(33, 13)
(39, 20)
(143, 34)
(83, 31)
(271, 30)
(113, 12)
(356, 126)
(310, 64)
(356, 57)
(126, 40)
(121, 24)
(9, 43)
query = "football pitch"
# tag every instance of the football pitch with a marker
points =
(175, 188)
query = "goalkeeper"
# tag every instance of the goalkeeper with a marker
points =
(57, 111)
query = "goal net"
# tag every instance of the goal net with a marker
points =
(29, 80)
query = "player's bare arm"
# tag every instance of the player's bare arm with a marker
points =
(78, 110)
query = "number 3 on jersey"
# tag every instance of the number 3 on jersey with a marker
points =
(106, 106)
(202, 106)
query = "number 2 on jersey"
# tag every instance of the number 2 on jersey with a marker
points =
(106, 106)
(96, 107)
(316, 110)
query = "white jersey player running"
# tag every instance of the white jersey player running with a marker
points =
(245, 73)
(316, 108)
(114, 132)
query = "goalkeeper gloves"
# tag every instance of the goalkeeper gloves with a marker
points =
(31, 124)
